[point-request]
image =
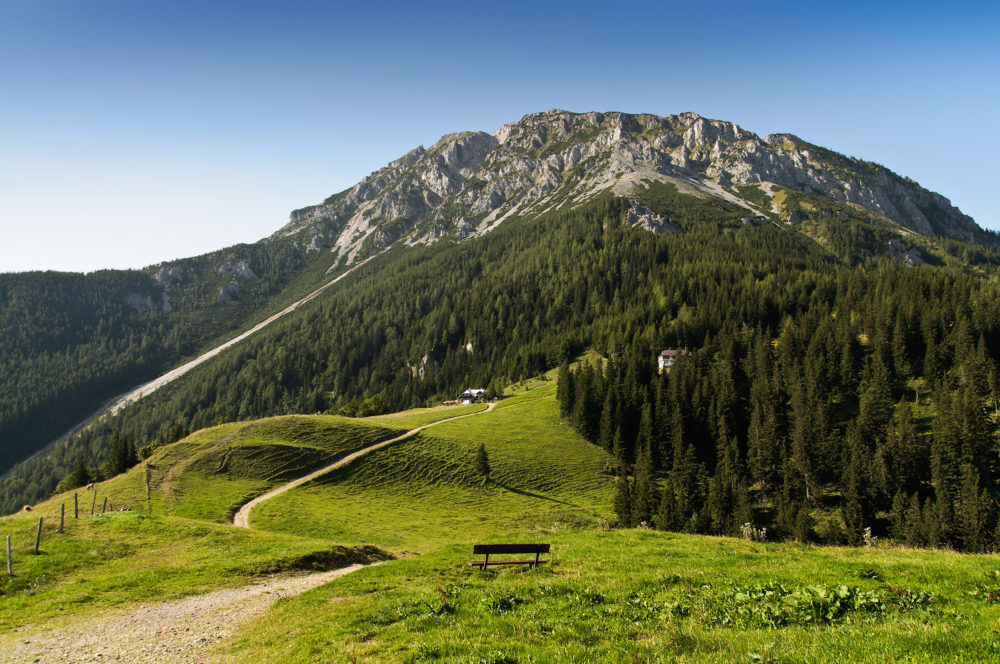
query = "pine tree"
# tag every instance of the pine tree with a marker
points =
(131, 454)
(644, 437)
(971, 512)
(608, 426)
(118, 457)
(666, 513)
(81, 474)
(804, 523)
(915, 531)
(623, 501)
(564, 389)
(644, 488)
(854, 508)
(897, 517)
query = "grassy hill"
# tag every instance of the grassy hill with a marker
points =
(423, 492)
(604, 595)
(209, 474)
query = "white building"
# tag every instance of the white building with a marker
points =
(668, 357)
(472, 395)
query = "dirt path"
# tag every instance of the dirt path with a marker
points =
(177, 632)
(242, 517)
(114, 404)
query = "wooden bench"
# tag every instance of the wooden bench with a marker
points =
(488, 549)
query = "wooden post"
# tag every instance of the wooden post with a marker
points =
(93, 505)
(38, 535)
(104, 508)
(62, 516)
(10, 561)
(76, 506)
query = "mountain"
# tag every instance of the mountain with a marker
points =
(468, 182)
(494, 257)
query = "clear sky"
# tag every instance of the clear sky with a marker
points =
(133, 132)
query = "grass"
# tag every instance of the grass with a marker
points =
(603, 595)
(640, 596)
(113, 560)
(209, 474)
(423, 492)
(410, 419)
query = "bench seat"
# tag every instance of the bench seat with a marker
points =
(493, 549)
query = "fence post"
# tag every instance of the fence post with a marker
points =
(93, 505)
(76, 506)
(38, 535)
(104, 508)
(10, 561)
(62, 516)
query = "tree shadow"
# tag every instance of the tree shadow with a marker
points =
(530, 494)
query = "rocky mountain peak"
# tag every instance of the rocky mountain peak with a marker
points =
(468, 182)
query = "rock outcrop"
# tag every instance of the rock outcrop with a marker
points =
(467, 183)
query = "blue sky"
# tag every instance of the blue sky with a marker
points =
(137, 132)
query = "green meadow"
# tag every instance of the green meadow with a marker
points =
(603, 594)
(646, 596)
(209, 474)
(423, 492)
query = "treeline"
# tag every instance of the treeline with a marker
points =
(872, 404)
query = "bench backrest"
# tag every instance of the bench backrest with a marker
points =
(509, 548)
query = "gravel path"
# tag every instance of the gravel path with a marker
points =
(177, 632)
(242, 518)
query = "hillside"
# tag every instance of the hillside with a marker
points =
(494, 257)
(74, 341)
(603, 594)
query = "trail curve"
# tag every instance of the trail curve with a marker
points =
(242, 517)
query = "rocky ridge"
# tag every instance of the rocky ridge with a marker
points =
(468, 182)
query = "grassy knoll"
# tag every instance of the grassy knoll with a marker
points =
(646, 596)
(423, 493)
(209, 474)
(117, 559)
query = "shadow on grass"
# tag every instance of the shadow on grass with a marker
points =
(530, 494)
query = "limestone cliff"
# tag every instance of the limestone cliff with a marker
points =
(467, 183)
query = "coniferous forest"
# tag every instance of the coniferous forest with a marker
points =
(829, 389)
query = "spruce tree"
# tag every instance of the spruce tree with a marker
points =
(623, 501)
(915, 532)
(897, 517)
(564, 389)
(117, 462)
(971, 512)
(666, 512)
(853, 508)
(644, 488)
(81, 474)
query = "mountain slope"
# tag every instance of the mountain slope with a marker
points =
(73, 341)
(559, 190)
